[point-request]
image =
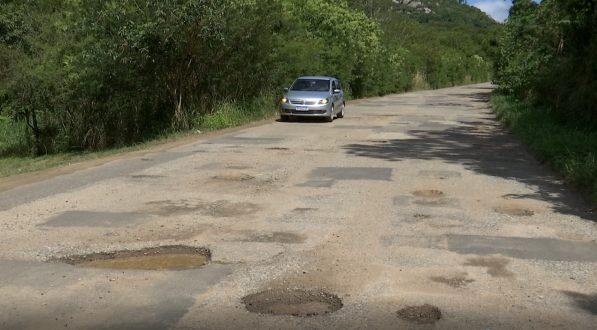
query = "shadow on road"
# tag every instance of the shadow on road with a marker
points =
(482, 146)
(583, 301)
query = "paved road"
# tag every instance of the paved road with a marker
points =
(412, 199)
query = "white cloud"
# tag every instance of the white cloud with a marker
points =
(498, 9)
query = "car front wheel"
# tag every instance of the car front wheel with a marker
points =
(341, 113)
(331, 117)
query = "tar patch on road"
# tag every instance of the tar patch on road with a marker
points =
(515, 247)
(352, 173)
(96, 219)
(496, 266)
(295, 302)
(524, 248)
(317, 184)
(218, 209)
(160, 258)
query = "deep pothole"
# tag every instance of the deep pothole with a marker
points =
(159, 258)
(428, 193)
(424, 314)
(510, 210)
(294, 302)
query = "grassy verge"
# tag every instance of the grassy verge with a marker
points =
(569, 150)
(225, 115)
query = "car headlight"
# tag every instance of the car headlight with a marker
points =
(326, 101)
(284, 100)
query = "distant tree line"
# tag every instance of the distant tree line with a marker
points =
(548, 54)
(92, 74)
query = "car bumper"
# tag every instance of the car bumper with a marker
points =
(319, 110)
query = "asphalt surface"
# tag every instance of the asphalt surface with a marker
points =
(411, 199)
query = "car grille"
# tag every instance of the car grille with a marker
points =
(310, 112)
(301, 102)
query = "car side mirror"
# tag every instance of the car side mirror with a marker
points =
(337, 91)
(286, 89)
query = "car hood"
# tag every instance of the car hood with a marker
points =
(306, 95)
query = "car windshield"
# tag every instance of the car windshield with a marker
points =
(311, 85)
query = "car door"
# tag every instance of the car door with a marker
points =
(339, 97)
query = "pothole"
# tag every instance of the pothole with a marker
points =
(428, 193)
(158, 258)
(421, 216)
(295, 302)
(509, 210)
(278, 148)
(425, 314)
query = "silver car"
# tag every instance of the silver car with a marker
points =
(313, 96)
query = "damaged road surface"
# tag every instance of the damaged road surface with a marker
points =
(415, 211)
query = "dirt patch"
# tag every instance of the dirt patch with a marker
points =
(496, 266)
(433, 202)
(295, 302)
(239, 167)
(146, 176)
(304, 209)
(276, 237)
(160, 258)
(278, 148)
(233, 176)
(428, 193)
(425, 314)
(215, 209)
(170, 208)
(457, 281)
(512, 210)
(226, 209)
(421, 216)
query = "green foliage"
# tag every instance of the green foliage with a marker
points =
(79, 75)
(568, 149)
(548, 56)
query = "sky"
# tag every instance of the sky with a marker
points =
(498, 9)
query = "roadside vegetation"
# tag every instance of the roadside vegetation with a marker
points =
(80, 76)
(547, 76)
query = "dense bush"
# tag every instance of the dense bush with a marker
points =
(548, 56)
(90, 74)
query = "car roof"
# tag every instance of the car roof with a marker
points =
(317, 77)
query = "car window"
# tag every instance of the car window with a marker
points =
(311, 85)
(339, 85)
(334, 85)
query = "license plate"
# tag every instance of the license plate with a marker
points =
(302, 108)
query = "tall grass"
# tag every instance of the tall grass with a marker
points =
(420, 82)
(568, 149)
(13, 140)
(231, 114)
